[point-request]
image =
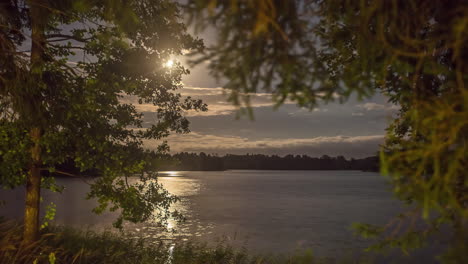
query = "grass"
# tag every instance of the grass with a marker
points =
(66, 245)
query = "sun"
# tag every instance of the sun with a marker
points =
(169, 64)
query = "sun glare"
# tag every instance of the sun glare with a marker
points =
(169, 64)
(169, 173)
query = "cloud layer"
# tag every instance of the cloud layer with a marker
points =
(352, 129)
(357, 146)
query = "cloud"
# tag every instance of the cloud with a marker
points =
(224, 109)
(320, 110)
(351, 146)
(216, 98)
(377, 107)
(301, 112)
(201, 91)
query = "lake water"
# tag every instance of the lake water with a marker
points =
(265, 211)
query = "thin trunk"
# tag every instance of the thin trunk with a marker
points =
(33, 191)
(33, 181)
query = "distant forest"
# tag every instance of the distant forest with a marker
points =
(206, 162)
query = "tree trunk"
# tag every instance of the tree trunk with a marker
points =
(33, 180)
(33, 191)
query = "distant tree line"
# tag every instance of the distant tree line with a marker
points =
(207, 162)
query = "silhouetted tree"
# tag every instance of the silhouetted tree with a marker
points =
(67, 71)
(204, 162)
(415, 52)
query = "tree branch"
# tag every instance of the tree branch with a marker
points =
(68, 47)
(65, 37)
(69, 174)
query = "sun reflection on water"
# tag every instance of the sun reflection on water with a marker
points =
(185, 187)
(170, 173)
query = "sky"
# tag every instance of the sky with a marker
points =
(353, 129)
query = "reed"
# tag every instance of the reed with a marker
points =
(58, 245)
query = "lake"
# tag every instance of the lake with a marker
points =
(264, 211)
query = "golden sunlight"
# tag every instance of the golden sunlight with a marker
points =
(169, 64)
(169, 173)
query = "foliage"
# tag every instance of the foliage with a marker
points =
(264, 46)
(49, 215)
(207, 162)
(66, 245)
(73, 246)
(79, 89)
(415, 52)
